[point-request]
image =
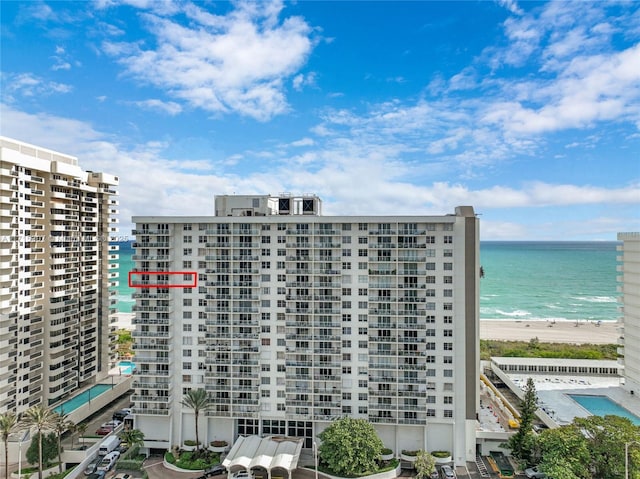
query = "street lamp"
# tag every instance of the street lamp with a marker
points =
(626, 457)
(315, 456)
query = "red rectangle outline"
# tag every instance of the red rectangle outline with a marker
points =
(149, 286)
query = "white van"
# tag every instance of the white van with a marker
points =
(108, 445)
(108, 461)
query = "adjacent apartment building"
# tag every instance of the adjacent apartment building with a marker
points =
(630, 329)
(290, 320)
(55, 273)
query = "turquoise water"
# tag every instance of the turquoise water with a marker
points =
(82, 398)
(549, 281)
(603, 406)
(126, 264)
(523, 280)
(126, 367)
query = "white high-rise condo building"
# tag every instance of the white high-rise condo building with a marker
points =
(630, 329)
(55, 272)
(290, 320)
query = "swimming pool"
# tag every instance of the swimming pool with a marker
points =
(82, 398)
(602, 406)
(126, 367)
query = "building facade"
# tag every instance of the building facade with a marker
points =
(629, 286)
(290, 320)
(55, 273)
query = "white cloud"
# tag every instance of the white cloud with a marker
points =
(303, 142)
(589, 89)
(169, 107)
(31, 86)
(233, 63)
(301, 80)
(511, 5)
(350, 179)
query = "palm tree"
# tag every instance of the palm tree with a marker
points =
(81, 428)
(43, 419)
(61, 425)
(8, 424)
(198, 400)
(132, 437)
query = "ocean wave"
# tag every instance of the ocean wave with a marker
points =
(596, 299)
(518, 313)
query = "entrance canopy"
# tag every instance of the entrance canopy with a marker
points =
(268, 453)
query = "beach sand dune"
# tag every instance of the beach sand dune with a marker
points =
(581, 332)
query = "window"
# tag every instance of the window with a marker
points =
(186, 327)
(346, 265)
(186, 227)
(448, 266)
(362, 253)
(187, 239)
(448, 413)
(186, 302)
(448, 333)
(346, 240)
(448, 239)
(447, 346)
(346, 252)
(187, 252)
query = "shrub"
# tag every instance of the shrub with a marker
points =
(170, 458)
(386, 451)
(441, 454)
(219, 443)
(191, 442)
(409, 453)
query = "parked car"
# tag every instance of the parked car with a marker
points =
(121, 414)
(122, 475)
(434, 475)
(104, 430)
(109, 461)
(97, 475)
(92, 466)
(534, 473)
(216, 470)
(242, 475)
(446, 472)
(113, 423)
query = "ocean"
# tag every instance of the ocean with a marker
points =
(561, 281)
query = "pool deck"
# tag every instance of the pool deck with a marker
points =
(553, 394)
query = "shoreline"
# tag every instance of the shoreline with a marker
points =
(547, 331)
(551, 331)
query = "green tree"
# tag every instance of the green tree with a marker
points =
(8, 424)
(425, 464)
(132, 437)
(606, 437)
(42, 419)
(350, 446)
(81, 428)
(43, 450)
(564, 452)
(61, 425)
(198, 400)
(522, 441)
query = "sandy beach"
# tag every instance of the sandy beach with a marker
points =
(551, 332)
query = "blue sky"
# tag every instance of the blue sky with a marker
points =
(528, 111)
